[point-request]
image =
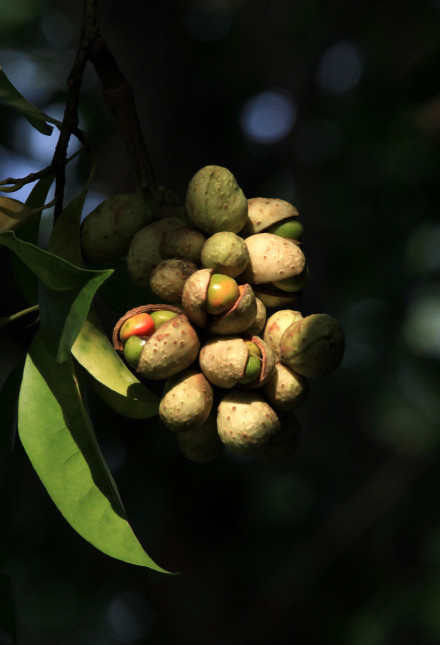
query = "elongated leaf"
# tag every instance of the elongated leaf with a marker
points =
(12, 97)
(66, 292)
(8, 406)
(26, 280)
(112, 380)
(59, 440)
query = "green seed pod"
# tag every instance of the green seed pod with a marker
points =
(169, 350)
(225, 253)
(264, 212)
(186, 401)
(245, 422)
(107, 231)
(285, 389)
(184, 243)
(144, 250)
(313, 346)
(214, 201)
(202, 444)
(277, 324)
(168, 278)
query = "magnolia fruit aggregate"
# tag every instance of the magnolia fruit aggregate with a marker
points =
(232, 359)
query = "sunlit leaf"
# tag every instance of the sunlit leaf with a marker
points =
(12, 97)
(60, 442)
(66, 292)
(111, 378)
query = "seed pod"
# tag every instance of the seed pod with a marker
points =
(260, 320)
(264, 212)
(215, 202)
(272, 298)
(286, 390)
(225, 253)
(169, 350)
(202, 444)
(245, 422)
(168, 279)
(235, 320)
(313, 346)
(107, 231)
(277, 324)
(184, 243)
(272, 258)
(223, 361)
(144, 250)
(186, 401)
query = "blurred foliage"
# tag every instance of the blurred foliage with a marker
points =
(341, 543)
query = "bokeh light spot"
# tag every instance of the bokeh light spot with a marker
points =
(268, 117)
(421, 328)
(340, 68)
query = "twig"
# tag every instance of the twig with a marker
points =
(12, 184)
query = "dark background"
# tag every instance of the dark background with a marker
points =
(340, 543)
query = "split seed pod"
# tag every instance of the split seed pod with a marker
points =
(234, 321)
(223, 361)
(277, 324)
(169, 350)
(286, 390)
(263, 212)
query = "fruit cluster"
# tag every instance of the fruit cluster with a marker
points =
(233, 374)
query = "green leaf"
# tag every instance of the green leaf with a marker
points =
(59, 440)
(7, 611)
(12, 97)
(65, 294)
(8, 405)
(111, 378)
(26, 280)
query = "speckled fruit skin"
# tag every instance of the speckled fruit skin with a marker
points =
(186, 401)
(169, 350)
(245, 422)
(272, 258)
(313, 346)
(266, 211)
(225, 253)
(259, 322)
(201, 445)
(215, 202)
(107, 231)
(286, 390)
(277, 324)
(168, 278)
(144, 250)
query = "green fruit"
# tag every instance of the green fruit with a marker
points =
(313, 346)
(107, 231)
(223, 292)
(133, 349)
(296, 283)
(214, 201)
(291, 228)
(252, 369)
(159, 317)
(226, 253)
(253, 348)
